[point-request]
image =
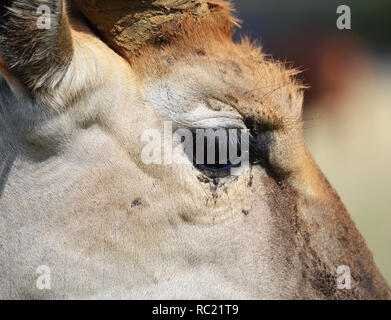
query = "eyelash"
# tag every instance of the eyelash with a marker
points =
(220, 167)
(258, 154)
(258, 148)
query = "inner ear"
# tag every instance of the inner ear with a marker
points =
(15, 84)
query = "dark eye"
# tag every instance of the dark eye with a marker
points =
(216, 152)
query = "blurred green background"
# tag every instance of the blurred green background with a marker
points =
(347, 110)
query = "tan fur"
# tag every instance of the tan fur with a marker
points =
(75, 195)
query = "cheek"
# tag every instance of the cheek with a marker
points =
(182, 191)
(236, 197)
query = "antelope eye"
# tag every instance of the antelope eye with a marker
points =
(216, 152)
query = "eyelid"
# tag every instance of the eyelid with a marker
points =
(210, 119)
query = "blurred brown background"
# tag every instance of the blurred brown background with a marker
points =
(347, 110)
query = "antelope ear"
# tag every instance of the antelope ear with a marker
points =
(35, 43)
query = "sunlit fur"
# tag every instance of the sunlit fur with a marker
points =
(75, 195)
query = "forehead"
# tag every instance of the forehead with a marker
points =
(221, 79)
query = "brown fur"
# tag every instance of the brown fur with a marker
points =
(74, 193)
(132, 25)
